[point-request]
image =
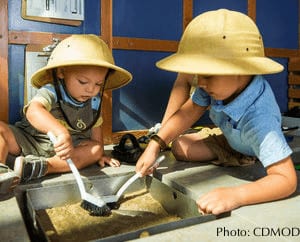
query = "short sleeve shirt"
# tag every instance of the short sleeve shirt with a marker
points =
(47, 96)
(251, 122)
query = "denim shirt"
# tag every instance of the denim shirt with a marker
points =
(251, 122)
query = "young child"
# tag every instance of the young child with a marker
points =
(225, 50)
(68, 103)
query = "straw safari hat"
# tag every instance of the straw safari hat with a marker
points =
(82, 49)
(221, 42)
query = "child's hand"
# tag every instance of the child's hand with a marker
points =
(63, 146)
(108, 160)
(218, 201)
(147, 159)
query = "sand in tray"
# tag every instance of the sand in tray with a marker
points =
(73, 223)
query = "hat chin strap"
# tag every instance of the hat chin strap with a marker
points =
(59, 99)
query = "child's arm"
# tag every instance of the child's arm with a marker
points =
(180, 93)
(97, 136)
(280, 182)
(44, 121)
(183, 119)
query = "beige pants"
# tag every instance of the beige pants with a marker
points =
(216, 142)
(227, 156)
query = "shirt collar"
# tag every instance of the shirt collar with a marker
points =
(237, 107)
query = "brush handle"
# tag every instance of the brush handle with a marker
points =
(158, 161)
(77, 177)
(72, 167)
(138, 175)
(127, 184)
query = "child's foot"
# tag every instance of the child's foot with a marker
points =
(30, 167)
(8, 179)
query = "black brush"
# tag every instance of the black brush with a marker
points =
(94, 205)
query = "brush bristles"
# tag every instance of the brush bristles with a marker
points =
(113, 205)
(95, 210)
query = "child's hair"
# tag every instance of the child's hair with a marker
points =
(82, 49)
(221, 42)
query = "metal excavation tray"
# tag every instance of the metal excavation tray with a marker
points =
(173, 201)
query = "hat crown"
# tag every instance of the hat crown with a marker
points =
(222, 34)
(80, 49)
(221, 42)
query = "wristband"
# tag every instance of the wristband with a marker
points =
(162, 144)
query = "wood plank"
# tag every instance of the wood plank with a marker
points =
(294, 79)
(34, 38)
(280, 52)
(294, 64)
(293, 104)
(23, 38)
(106, 21)
(187, 12)
(144, 44)
(4, 101)
(252, 9)
(106, 113)
(106, 34)
(116, 136)
(294, 93)
(19, 37)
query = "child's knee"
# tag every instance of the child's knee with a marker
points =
(178, 150)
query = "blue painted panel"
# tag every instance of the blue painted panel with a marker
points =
(16, 81)
(91, 25)
(153, 19)
(203, 6)
(278, 23)
(141, 103)
(279, 85)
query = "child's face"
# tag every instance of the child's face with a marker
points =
(224, 88)
(82, 82)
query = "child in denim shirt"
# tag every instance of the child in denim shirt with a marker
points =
(224, 49)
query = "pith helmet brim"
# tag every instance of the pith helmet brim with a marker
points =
(82, 50)
(221, 42)
(207, 65)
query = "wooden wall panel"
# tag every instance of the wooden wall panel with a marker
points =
(294, 82)
(252, 9)
(187, 12)
(4, 60)
(106, 34)
(114, 42)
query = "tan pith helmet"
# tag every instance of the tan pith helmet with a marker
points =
(82, 49)
(221, 42)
